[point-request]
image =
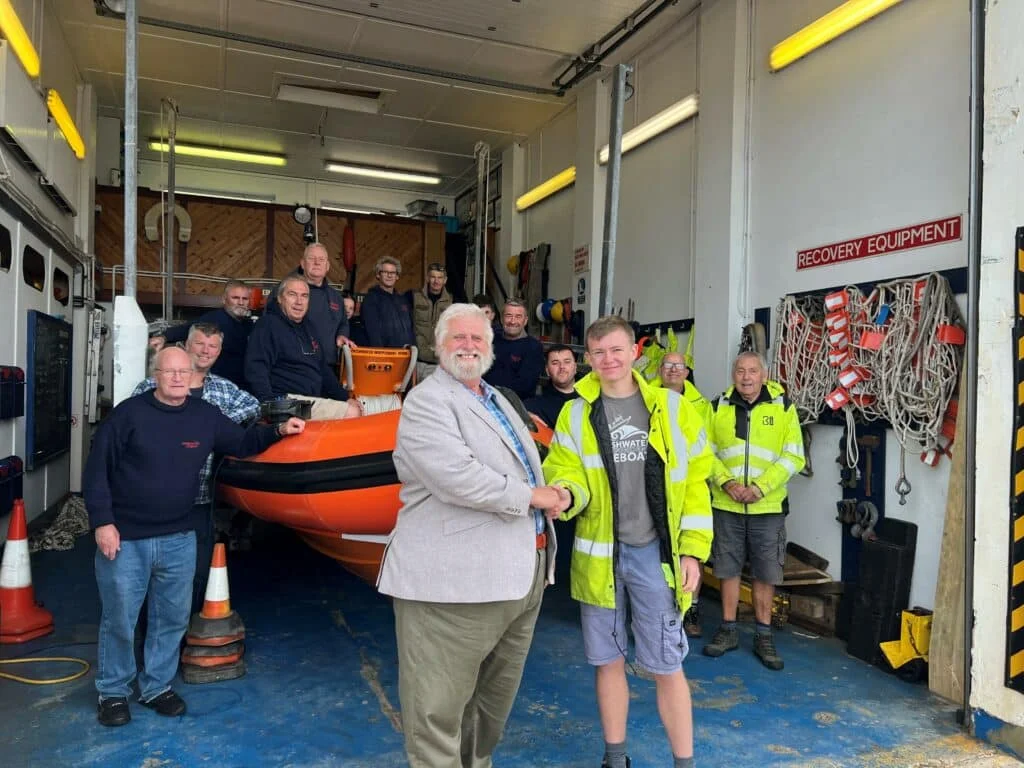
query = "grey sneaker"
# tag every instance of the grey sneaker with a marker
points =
(764, 649)
(724, 640)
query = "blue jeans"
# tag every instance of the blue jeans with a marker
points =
(161, 567)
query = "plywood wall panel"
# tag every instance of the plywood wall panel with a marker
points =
(110, 240)
(227, 240)
(401, 240)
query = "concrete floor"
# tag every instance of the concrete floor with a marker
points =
(322, 690)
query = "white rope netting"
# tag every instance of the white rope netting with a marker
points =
(894, 355)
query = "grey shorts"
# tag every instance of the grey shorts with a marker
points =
(640, 587)
(761, 539)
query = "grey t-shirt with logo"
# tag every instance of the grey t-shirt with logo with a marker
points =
(629, 422)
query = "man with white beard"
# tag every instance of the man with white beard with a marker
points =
(470, 554)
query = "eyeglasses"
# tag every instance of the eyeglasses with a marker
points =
(388, 273)
(435, 267)
(172, 372)
(674, 366)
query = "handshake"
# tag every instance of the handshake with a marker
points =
(552, 499)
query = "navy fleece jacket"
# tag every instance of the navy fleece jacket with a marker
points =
(387, 318)
(518, 364)
(285, 358)
(231, 362)
(326, 317)
(143, 469)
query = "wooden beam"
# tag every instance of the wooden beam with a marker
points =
(268, 271)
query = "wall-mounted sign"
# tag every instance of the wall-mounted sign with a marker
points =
(581, 293)
(907, 238)
(581, 259)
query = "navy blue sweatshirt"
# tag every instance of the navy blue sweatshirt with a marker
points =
(285, 358)
(549, 404)
(326, 317)
(387, 318)
(143, 468)
(231, 362)
(518, 364)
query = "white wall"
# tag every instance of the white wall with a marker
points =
(549, 151)
(1002, 212)
(654, 248)
(842, 147)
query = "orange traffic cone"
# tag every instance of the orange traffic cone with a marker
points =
(216, 624)
(20, 618)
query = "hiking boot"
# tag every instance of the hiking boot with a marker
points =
(691, 622)
(113, 712)
(764, 649)
(723, 641)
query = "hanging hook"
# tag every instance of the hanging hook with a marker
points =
(903, 487)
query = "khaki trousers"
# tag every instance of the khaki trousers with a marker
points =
(459, 669)
(324, 409)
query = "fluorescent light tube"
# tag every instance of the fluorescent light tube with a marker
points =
(245, 197)
(324, 97)
(850, 14)
(214, 153)
(327, 205)
(20, 42)
(380, 173)
(62, 118)
(546, 189)
(682, 110)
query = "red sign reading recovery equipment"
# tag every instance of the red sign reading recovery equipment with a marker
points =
(918, 236)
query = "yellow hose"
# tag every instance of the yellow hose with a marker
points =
(48, 659)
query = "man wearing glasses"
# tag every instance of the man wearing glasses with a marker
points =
(428, 305)
(139, 484)
(285, 359)
(386, 313)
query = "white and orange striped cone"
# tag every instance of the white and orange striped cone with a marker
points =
(216, 624)
(20, 618)
(214, 647)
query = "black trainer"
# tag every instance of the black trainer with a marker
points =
(691, 622)
(764, 649)
(113, 712)
(168, 704)
(628, 763)
(724, 640)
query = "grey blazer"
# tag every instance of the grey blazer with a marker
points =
(465, 532)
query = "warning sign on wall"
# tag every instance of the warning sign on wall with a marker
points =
(581, 259)
(907, 238)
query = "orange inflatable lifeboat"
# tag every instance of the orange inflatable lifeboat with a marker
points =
(335, 484)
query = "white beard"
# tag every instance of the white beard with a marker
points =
(466, 369)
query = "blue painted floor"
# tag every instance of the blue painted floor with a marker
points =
(322, 690)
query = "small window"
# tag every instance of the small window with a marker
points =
(6, 251)
(61, 286)
(33, 268)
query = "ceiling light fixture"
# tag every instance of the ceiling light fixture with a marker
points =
(21, 43)
(679, 112)
(67, 126)
(245, 197)
(837, 22)
(349, 99)
(215, 153)
(554, 184)
(380, 173)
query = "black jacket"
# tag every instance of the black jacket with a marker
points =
(285, 358)
(326, 316)
(387, 318)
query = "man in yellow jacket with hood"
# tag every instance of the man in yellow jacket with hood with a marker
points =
(758, 447)
(636, 460)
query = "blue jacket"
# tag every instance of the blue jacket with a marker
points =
(326, 316)
(285, 358)
(518, 364)
(231, 363)
(387, 318)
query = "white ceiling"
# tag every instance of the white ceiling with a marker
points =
(225, 89)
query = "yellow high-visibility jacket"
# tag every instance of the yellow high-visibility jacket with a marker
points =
(677, 467)
(693, 395)
(755, 443)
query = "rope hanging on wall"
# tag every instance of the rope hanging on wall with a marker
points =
(894, 354)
